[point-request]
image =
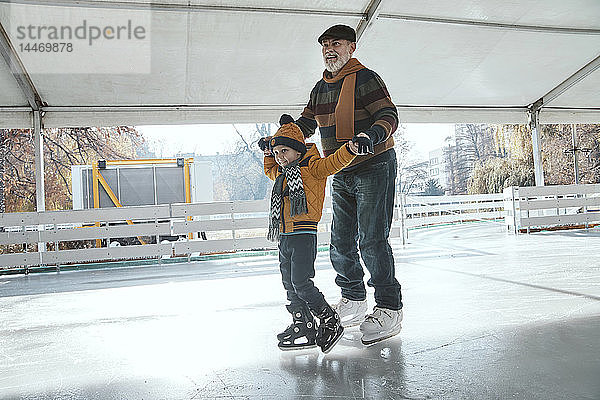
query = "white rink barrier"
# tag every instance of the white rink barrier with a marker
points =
(422, 211)
(192, 229)
(168, 230)
(552, 207)
(216, 227)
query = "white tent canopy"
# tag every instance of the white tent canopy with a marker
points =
(229, 61)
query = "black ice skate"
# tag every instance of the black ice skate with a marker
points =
(330, 329)
(302, 333)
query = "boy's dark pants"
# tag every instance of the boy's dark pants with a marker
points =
(297, 254)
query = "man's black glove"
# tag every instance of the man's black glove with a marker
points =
(263, 143)
(365, 144)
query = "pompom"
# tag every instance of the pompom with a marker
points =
(285, 119)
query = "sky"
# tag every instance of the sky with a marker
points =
(427, 137)
(168, 140)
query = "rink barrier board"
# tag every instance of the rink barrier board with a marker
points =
(229, 226)
(551, 207)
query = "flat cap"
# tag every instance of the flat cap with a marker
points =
(338, 32)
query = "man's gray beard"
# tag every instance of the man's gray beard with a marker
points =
(337, 66)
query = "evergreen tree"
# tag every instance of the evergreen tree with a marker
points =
(433, 188)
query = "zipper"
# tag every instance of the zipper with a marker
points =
(282, 214)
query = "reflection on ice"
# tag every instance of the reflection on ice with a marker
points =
(487, 315)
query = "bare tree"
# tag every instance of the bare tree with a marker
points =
(557, 147)
(589, 142)
(240, 174)
(62, 149)
(414, 177)
(473, 144)
(475, 141)
(455, 168)
(3, 144)
(405, 173)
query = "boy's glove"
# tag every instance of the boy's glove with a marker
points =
(263, 143)
(365, 144)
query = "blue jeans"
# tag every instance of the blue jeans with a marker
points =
(363, 206)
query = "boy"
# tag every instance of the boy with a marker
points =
(300, 175)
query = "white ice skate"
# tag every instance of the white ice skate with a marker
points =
(351, 312)
(380, 325)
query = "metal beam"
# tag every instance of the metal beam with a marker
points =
(573, 109)
(164, 6)
(258, 107)
(412, 113)
(14, 109)
(493, 25)
(570, 81)
(277, 107)
(40, 193)
(174, 107)
(575, 150)
(38, 140)
(371, 14)
(461, 108)
(534, 127)
(15, 65)
(534, 113)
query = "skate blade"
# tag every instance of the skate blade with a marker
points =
(334, 343)
(353, 322)
(313, 346)
(379, 339)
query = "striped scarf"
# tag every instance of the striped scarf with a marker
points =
(297, 198)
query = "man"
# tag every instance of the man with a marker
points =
(351, 102)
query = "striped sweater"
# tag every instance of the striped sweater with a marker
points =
(374, 113)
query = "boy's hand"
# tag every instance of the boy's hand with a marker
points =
(352, 147)
(364, 143)
(263, 144)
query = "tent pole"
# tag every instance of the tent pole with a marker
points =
(40, 194)
(534, 127)
(373, 10)
(39, 162)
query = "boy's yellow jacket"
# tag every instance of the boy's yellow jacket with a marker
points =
(314, 170)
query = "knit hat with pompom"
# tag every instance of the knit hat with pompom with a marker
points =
(289, 135)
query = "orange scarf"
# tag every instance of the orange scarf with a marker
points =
(344, 110)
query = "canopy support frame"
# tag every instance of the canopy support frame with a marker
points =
(534, 127)
(535, 108)
(21, 76)
(16, 67)
(371, 14)
(571, 81)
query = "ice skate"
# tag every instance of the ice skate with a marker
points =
(330, 329)
(351, 312)
(380, 325)
(302, 333)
